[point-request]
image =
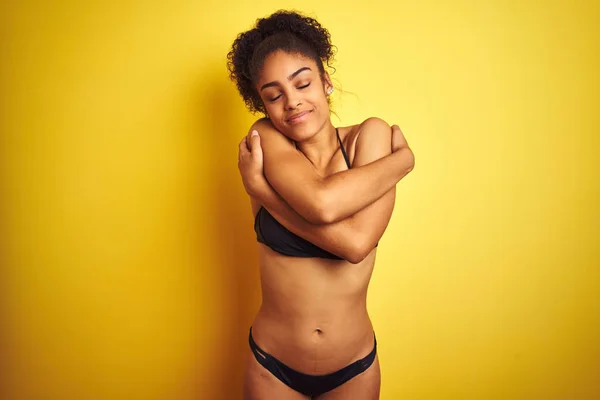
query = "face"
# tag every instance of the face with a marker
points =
(294, 94)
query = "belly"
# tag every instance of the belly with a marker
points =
(313, 315)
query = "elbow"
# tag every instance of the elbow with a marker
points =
(354, 258)
(322, 211)
(318, 216)
(325, 217)
(410, 160)
(359, 251)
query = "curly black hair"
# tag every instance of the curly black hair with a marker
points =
(284, 30)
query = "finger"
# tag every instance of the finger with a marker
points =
(249, 138)
(394, 129)
(402, 137)
(399, 139)
(243, 148)
(256, 148)
(254, 140)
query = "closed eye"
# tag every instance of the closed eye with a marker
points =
(299, 87)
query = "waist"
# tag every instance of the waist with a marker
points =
(305, 285)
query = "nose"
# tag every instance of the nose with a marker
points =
(293, 102)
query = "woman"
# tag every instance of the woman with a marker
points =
(322, 197)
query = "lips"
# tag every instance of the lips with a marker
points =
(301, 116)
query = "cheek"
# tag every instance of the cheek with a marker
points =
(318, 96)
(273, 111)
(321, 102)
(268, 106)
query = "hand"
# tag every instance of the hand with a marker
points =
(398, 139)
(250, 164)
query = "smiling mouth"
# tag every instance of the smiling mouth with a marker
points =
(299, 117)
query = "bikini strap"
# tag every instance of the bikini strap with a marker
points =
(343, 150)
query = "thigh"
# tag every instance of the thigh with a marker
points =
(260, 384)
(364, 386)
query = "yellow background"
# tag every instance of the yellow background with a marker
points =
(128, 257)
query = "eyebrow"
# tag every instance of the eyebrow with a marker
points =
(292, 76)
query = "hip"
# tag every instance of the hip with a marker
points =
(318, 345)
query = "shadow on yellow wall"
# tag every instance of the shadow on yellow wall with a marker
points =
(233, 244)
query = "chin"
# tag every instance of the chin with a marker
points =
(303, 131)
(300, 133)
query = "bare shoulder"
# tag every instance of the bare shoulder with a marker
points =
(375, 126)
(265, 127)
(372, 130)
(269, 135)
(263, 123)
(372, 126)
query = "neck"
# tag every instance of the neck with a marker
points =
(321, 147)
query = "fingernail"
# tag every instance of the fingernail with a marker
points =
(254, 133)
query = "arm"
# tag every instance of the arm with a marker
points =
(326, 200)
(352, 238)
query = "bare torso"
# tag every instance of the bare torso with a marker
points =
(313, 315)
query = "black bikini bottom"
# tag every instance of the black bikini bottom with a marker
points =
(311, 385)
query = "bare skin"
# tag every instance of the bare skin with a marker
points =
(313, 315)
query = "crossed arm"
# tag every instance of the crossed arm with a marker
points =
(346, 213)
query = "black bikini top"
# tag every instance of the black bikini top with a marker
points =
(277, 237)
